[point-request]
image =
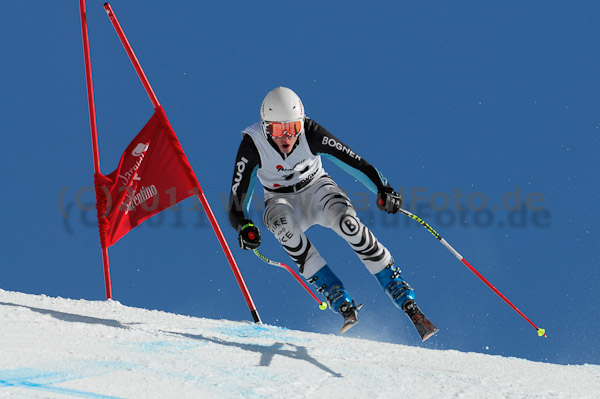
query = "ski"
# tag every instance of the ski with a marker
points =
(350, 319)
(424, 326)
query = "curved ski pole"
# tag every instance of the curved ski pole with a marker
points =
(322, 305)
(541, 332)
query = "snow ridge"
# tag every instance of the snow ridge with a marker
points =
(57, 348)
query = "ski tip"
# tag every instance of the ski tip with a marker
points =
(429, 334)
(323, 305)
(542, 333)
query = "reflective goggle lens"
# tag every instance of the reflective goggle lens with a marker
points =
(277, 129)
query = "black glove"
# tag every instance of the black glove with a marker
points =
(388, 200)
(249, 237)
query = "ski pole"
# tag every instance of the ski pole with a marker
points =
(322, 305)
(541, 332)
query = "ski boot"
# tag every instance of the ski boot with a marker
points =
(394, 285)
(336, 295)
(403, 297)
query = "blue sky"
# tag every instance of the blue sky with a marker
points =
(490, 101)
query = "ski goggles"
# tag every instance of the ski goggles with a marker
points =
(279, 129)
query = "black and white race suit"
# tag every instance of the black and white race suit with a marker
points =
(299, 194)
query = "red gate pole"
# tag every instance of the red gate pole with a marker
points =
(229, 255)
(131, 54)
(92, 110)
(201, 196)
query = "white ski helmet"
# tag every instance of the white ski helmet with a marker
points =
(281, 105)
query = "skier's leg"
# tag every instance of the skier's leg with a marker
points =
(341, 217)
(280, 218)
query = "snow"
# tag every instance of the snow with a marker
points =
(66, 348)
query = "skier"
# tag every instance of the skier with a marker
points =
(284, 151)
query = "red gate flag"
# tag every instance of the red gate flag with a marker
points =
(153, 175)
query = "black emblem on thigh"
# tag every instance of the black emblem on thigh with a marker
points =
(349, 225)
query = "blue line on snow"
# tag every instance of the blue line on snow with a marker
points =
(22, 378)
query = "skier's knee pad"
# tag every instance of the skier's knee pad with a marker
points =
(327, 283)
(338, 210)
(279, 214)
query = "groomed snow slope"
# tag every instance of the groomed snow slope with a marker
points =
(63, 348)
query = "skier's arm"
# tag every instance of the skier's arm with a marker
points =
(247, 162)
(322, 142)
